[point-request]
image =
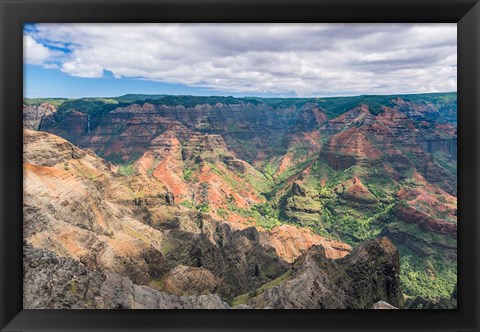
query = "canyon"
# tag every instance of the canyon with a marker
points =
(157, 201)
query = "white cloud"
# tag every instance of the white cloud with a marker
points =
(306, 59)
(83, 69)
(34, 53)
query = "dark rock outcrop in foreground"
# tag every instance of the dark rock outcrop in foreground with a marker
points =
(361, 280)
(52, 282)
(357, 281)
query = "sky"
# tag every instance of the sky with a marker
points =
(265, 60)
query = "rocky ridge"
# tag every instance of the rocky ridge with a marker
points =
(370, 273)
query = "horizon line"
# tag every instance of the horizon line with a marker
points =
(246, 96)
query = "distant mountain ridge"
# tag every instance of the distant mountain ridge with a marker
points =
(328, 102)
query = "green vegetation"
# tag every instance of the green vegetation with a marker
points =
(246, 213)
(132, 98)
(188, 204)
(205, 207)
(222, 213)
(191, 101)
(268, 216)
(127, 170)
(243, 299)
(269, 170)
(158, 284)
(336, 106)
(95, 107)
(153, 168)
(73, 287)
(428, 264)
(424, 240)
(446, 162)
(332, 106)
(351, 226)
(263, 215)
(187, 174)
(52, 101)
(430, 278)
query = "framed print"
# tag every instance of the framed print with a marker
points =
(316, 159)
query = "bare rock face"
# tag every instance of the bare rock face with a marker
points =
(290, 242)
(355, 191)
(35, 114)
(310, 117)
(48, 150)
(128, 131)
(235, 256)
(120, 293)
(308, 287)
(425, 221)
(66, 210)
(52, 282)
(191, 280)
(359, 280)
(353, 143)
(374, 267)
(383, 305)
(355, 117)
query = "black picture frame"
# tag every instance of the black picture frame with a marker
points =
(14, 13)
